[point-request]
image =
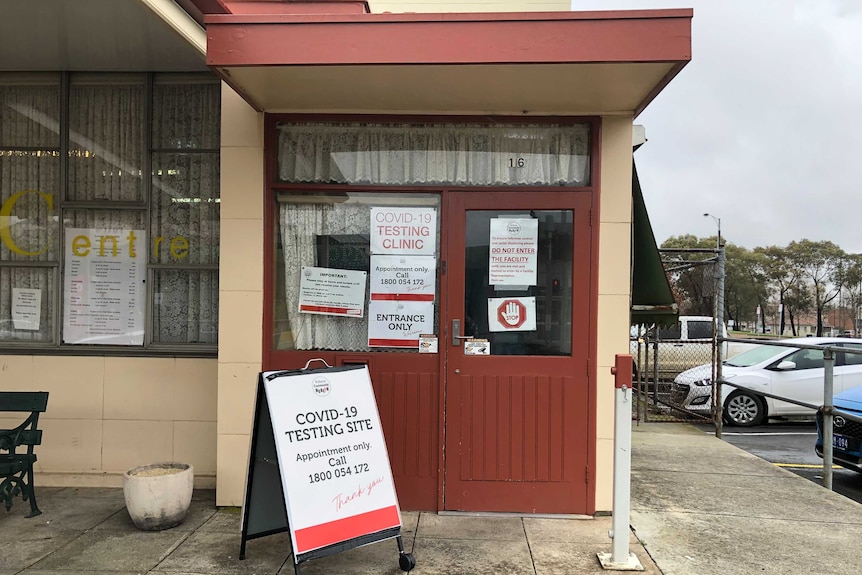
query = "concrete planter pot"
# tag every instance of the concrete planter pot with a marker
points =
(158, 495)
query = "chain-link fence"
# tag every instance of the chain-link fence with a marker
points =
(657, 362)
(661, 352)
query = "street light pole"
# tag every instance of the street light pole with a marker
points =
(717, 223)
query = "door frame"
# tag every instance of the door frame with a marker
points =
(270, 187)
(552, 199)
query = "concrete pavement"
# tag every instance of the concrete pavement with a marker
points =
(699, 506)
(702, 506)
(89, 531)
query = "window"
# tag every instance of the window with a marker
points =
(852, 358)
(331, 233)
(699, 329)
(109, 211)
(807, 358)
(670, 332)
(435, 154)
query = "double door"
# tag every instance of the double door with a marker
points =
(499, 418)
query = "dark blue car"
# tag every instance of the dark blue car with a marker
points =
(846, 433)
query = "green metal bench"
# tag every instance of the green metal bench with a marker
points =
(16, 446)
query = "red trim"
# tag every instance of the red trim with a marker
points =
(317, 536)
(622, 371)
(200, 9)
(269, 240)
(223, 17)
(401, 297)
(381, 342)
(272, 7)
(513, 38)
(443, 342)
(478, 119)
(328, 309)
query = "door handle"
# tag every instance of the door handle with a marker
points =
(456, 333)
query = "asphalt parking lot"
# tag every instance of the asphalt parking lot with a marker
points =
(790, 445)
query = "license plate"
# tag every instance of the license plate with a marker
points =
(840, 441)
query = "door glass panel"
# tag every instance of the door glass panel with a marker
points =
(500, 313)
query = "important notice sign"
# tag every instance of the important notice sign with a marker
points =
(332, 456)
(329, 291)
(513, 255)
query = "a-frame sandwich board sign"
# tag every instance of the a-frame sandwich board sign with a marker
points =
(318, 465)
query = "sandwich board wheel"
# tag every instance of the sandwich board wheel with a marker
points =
(406, 561)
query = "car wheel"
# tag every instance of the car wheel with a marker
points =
(744, 409)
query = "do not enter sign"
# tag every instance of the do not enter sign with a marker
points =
(512, 314)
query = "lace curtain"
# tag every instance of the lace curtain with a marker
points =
(105, 142)
(453, 154)
(185, 211)
(299, 225)
(29, 176)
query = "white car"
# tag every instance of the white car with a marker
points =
(778, 370)
(680, 346)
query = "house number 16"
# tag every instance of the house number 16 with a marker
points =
(517, 162)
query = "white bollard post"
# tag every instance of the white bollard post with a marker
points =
(620, 559)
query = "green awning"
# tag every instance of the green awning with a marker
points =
(652, 298)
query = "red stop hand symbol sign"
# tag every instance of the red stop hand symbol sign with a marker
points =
(511, 314)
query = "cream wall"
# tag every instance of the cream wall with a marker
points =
(614, 287)
(240, 290)
(108, 414)
(378, 7)
(241, 276)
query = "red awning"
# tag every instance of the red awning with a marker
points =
(552, 63)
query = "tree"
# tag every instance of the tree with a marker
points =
(692, 278)
(851, 282)
(745, 285)
(797, 300)
(782, 274)
(820, 263)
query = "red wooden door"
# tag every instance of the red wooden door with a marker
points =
(517, 419)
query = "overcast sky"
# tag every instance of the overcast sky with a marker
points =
(763, 128)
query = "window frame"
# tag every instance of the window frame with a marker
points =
(62, 204)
